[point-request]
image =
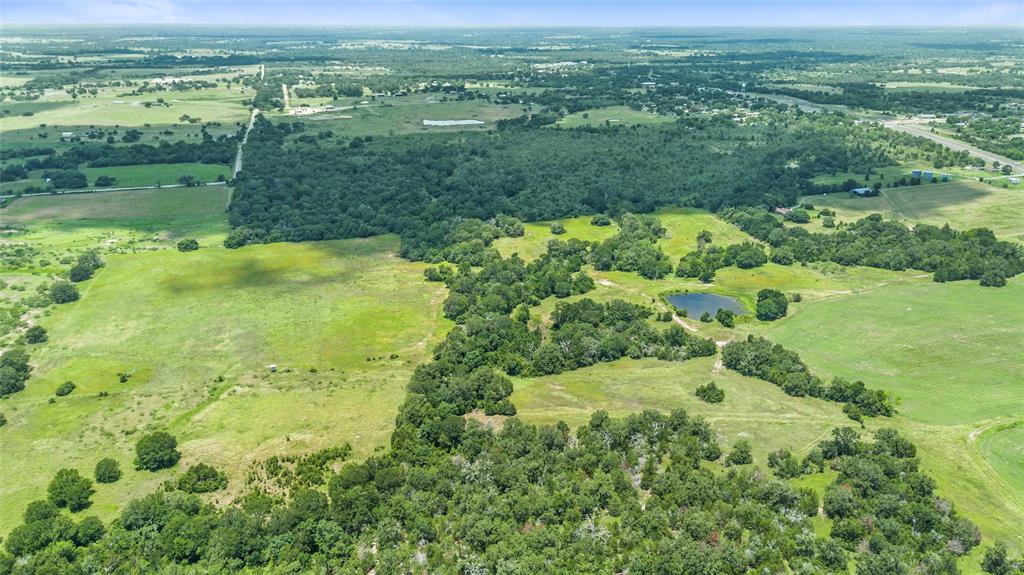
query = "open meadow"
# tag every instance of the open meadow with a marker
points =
(344, 321)
(961, 204)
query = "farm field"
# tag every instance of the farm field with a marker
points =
(962, 205)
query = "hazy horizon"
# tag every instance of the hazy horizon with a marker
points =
(518, 13)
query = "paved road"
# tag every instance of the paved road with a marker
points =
(915, 129)
(907, 126)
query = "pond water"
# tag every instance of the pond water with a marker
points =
(696, 304)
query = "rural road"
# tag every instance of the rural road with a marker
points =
(245, 138)
(284, 92)
(915, 129)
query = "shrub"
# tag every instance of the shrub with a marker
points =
(740, 454)
(36, 334)
(710, 393)
(65, 388)
(80, 272)
(993, 278)
(63, 292)
(557, 228)
(3, 420)
(726, 317)
(600, 220)
(107, 470)
(69, 489)
(705, 317)
(188, 245)
(798, 216)
(156, 451)
(202, 478)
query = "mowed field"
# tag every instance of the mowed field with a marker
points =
(344, 321)
(963, 205)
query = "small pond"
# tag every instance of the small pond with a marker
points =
(696, 304)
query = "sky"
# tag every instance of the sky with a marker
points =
(499, 13)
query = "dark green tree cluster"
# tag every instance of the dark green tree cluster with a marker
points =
(885, 509)
(14, 371)
(503, 284)
(85, 266)
(202, 478)
(63, 292)
(634, 249)
(706, 260)
(187, 245)
(948, 254)
(997, 561)
(760, 358)
(155, 451)
(771, 305)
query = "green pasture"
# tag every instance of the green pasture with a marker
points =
(344, 321)
(536, 236)
(681, 228)
(611, 116)
(403, 115)
(752, 410)
(962, 204)
(157, 174)
(112, 109)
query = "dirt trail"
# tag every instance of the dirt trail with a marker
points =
(245, 138)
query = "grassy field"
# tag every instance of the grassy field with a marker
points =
(179, 322)
(612, 115)
(134, 176)
(1003, 447)
(681, 228)
(112, 109)
(156, 174)
(752, 409)
(963, 205)
(157, 203)
(404, 115)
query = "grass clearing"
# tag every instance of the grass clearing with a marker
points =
(177, 321)
(963, 205)
(613, 116)
(110, 108)
(157, 203)
(158, 174)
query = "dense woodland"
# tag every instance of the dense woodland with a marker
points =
(419, 186)
(948, 254)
